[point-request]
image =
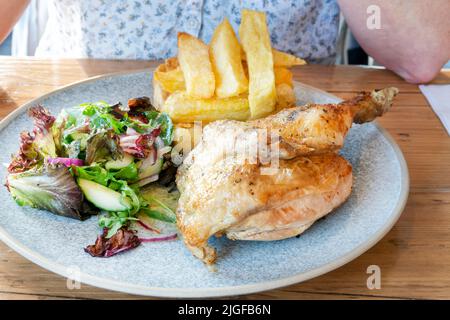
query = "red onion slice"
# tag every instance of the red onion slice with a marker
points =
(66, 161)
(147, 227)
(157, 239)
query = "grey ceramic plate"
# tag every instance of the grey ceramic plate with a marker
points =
(167, 269)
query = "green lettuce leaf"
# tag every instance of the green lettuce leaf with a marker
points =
(52, 188)
(129, 173)
(100, 117)
(160, 203)
(101, 146)
(166, 125)
(113, 221)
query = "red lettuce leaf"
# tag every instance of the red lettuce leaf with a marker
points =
(27, 157)
(42, 118)
(50, 187)
(138, 145)
(36, 145)
(102, 145)
(135, 109)
(140, 104)
(122, 240)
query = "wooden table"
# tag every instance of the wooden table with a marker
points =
(414, 256)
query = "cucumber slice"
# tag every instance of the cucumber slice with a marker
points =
(103, 197)
(119, 163)
(147, 171)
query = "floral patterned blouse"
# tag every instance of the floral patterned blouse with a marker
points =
(147, 29)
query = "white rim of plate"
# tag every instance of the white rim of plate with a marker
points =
(207, 292)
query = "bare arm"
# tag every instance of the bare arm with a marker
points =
(414, 38)
(10, 12)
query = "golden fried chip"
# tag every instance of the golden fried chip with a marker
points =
(285, 97)
(181, 107)
(284, 59)
(225, 52)
(256, 44)
(283, 75)
(281, 59)
(193, 57)
(170, 81)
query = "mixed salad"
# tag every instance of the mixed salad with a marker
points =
(100, 159)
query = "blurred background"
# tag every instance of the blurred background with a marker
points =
(25, 36)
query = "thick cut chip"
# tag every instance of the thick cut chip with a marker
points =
(285, 97)
(170, 81)
(283, 75)
(193, 57)
(181, 107)
(161, 81)
(283, 59)
(256, 44)
(225, 52)
(159, 95)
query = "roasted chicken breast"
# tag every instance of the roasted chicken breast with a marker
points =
(226, 190)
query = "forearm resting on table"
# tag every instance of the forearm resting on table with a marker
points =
(413, 39)
(10, 12)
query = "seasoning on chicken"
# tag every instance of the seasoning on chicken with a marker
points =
(222, 193)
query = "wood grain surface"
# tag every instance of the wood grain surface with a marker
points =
(414, 256)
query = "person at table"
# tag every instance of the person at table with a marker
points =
(410, 38)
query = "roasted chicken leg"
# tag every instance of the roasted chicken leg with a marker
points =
(225, 192)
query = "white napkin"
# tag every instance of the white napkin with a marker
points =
(438, 95)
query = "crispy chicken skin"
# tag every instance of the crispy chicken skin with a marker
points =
(314, 128)
(223, 192)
